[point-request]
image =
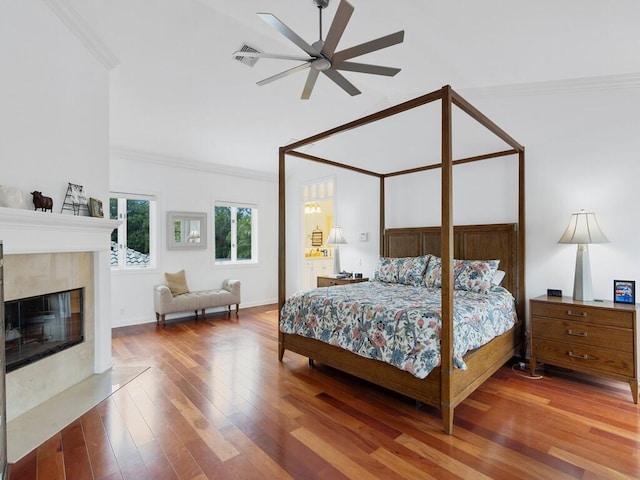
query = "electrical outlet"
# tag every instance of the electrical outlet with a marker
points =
(364, 237)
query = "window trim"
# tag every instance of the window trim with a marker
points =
(122, 198)
(254, 234)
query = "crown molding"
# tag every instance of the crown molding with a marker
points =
(622, 81)
(555, 87)
(81, 29)
(169, 161)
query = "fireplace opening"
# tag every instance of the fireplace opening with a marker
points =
(40, 326)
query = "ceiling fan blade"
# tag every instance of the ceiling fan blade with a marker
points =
(274, 22)
(338, 25)
(278, 56)
(366, 68)
(368, 47)
(284, 74)
(342, 82)
(309, 84)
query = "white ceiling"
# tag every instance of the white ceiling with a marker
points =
(178, 92)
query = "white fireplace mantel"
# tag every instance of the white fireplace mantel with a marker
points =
(29, 231)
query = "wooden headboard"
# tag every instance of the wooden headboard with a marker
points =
(471, 242)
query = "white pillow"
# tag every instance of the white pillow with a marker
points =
(498, 277)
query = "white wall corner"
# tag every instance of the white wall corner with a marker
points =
(81, 29)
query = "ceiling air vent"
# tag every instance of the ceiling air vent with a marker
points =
(251, 61)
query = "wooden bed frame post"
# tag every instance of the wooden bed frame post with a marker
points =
(282, 244)
(521, 292)
(446, 339)
(382, 217)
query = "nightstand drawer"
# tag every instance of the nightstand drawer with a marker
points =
(579, 333)
(324, 281)
(328, 282)
(583, 358)
(584, 313)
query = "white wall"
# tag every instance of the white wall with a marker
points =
(581, 152)
(54, 114)
(189, 186)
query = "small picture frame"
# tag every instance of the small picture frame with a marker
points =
(624, 291)
(95, 208)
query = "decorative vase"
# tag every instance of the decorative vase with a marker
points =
(11, 197)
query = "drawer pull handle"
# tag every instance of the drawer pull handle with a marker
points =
(581, 314)
(581, 357)
(576, 334)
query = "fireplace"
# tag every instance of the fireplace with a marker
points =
(43, 325)
(45, 253)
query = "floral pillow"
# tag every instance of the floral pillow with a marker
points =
(471, 275)
(411, 269)
(433, 274)
(404, 270)
(474, 275)
(386, 270)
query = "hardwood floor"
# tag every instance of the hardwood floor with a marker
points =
(217, 404)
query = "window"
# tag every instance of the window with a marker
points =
(133, 242)
(236, 228)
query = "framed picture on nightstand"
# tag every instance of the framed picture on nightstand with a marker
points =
(624, 291)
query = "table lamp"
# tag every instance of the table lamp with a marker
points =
(336, 238)
(583, 229)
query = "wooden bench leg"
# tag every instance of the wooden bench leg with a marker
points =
(157, 318)
(204, 315)
(237, 307)
(162, 318)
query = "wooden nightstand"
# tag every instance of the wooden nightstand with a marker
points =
(330, 280)
(600, 338)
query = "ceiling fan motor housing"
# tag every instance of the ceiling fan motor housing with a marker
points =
(321, 3)
(321, 64)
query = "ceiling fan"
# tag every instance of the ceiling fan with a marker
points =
(322, 56)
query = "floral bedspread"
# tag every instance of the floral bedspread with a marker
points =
(397, 324)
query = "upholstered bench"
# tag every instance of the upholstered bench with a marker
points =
(174, 297)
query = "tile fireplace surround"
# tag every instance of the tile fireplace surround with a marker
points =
(46, 252)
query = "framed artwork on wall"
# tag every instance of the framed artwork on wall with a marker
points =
(624, 291)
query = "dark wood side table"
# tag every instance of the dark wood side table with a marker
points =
(331, 280)
(600, 338)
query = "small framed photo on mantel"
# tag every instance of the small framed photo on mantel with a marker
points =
(95, 208)
(624, 291)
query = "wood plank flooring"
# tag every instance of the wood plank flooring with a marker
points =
(217, 404)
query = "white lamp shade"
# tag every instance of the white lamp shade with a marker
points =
(336, 237)
(583, 229)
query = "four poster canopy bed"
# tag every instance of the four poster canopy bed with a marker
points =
(436, 321)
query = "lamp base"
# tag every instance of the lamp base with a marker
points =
(336, 259)
(582, 289)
